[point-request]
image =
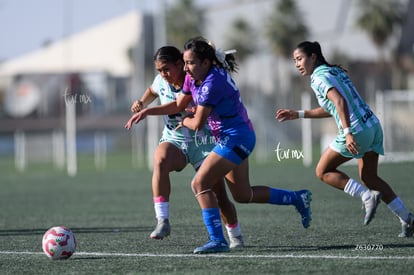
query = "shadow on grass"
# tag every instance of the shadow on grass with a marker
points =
(94, 230)
(324, 248)
(83, 258)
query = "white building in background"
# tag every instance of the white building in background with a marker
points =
(95, 54)
(103, 47)
(94, 74)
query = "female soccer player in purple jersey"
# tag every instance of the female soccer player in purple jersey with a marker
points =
(218, 103)
(360, 134)
(177, 148)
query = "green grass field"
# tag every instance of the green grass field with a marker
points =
(111, 214)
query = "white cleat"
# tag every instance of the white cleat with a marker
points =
(371, 205)
(407, 228)
(236, 242)
(161, 230)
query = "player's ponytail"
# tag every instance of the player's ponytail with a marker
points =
(205, 49)
(225, 59)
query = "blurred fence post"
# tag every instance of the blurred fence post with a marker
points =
(100, 150)
(20, 150)
(306, 131)
(58, 143)
(72, 165)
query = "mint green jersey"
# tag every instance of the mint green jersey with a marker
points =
(323, 79)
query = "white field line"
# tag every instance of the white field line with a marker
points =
(220, 255)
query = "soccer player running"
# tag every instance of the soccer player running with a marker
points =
(177, 148)
(218, 103)
(360, 135)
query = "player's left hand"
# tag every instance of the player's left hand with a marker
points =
(179, 125)
(137, 106)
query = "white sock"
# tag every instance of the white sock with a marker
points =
(233, 230)
(355, 189)
(162, 210)
(398, 208)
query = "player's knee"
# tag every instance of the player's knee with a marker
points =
(159, 163)
(193, 187)
(197, 186)
(162, 164)
(320, 173)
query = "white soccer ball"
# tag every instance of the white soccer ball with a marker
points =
(59, 243)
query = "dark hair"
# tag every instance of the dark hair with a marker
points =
(206, 50)
(310, 48)
(168, 54)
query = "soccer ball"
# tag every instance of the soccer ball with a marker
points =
(59, 243)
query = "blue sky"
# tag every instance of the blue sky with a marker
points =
(26, 24)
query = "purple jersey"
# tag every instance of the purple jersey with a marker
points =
(219, 91)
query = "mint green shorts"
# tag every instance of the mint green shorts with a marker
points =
(195, 151)
(370, 139)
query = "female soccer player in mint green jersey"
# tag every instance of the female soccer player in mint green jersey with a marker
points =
(359, 135)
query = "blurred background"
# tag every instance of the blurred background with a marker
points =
(70, 70)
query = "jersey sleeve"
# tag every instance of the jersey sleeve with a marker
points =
(156, 84)
(321, 84)
(210, 93)
(187, 85)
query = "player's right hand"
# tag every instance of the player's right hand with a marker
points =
(286, 114)
(191, 110)
(135, 118)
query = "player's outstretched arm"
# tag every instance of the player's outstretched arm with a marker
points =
(164, 109)
(286, 114)
(318, 112)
